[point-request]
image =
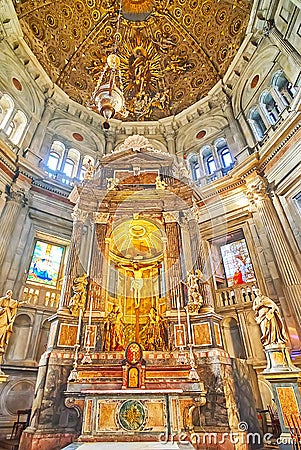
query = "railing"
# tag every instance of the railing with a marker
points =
(61, 177)
(41, 296)
(235, 295)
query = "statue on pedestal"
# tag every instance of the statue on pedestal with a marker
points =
(8, 312)
(89, 170)
(113, 339)
(154, 334)
(78, 299)
(267, 315)
(195, 299)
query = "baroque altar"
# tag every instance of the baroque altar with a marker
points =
(135, 351)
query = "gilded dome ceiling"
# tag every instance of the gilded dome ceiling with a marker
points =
(172, 52)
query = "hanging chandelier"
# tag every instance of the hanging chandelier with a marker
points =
(108, 95)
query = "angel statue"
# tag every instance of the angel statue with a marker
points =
(89, 170)
(8, 312)
(267, 315)
(195, 299)
(78, 299)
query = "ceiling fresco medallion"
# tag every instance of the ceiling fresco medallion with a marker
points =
(171, 52)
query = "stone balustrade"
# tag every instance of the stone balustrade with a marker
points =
(235, 295)
(41, 296)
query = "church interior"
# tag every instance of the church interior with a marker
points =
(150, 232)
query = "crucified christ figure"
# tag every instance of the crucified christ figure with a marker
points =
(137, 284)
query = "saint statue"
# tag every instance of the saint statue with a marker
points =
(267, 315)
(89, 170)
(8, 312)
(195, 299)
(113, 339)
(78, 299)
(154, 334)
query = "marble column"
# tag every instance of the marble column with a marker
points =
(15, 201)
(173, 270)
(110, 141)
(170, 141)
(73, 265)
(284, 257)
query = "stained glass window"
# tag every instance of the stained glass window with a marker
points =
(237, 263)
(45, 263)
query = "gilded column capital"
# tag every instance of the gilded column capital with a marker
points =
(17, 196)
(171, 216)
(101, 217)
(195, 212)
(79, 215)
(258, 190)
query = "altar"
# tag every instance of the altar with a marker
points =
(135, 352)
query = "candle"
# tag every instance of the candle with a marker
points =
(79, 325)
(178, 308)
(90, 312)
(188, 325)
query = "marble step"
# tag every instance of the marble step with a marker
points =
(128, 446)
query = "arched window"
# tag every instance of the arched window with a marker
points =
(270, 107)
(53, 161)
(224, 152)
(194, 167)
(72, 163)
(55, 156)
(208, 159)
(226, 157)
(211, 166)
(6, 109)
(68, 168)
(283, 87)
(257, 124)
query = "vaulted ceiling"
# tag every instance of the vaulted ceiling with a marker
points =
(172, 52)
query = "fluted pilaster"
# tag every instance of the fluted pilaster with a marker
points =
(15, 201)
(99, 269)
(173, 259)
(284, 257)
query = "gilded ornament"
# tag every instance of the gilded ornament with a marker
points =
(159, 60)
(78, 299)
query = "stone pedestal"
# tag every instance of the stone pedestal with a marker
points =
(205, 329)
(286, 385)
(3, 376)
(279, 360)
